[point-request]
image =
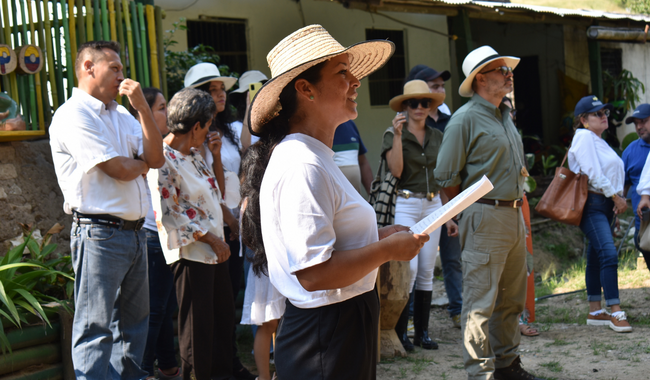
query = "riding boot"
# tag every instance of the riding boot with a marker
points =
(421, 312)
(400, 329)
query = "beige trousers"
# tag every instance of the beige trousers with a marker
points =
(493, 240)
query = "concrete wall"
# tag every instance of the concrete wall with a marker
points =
(636, 59)
(29, 192)
(272, 20)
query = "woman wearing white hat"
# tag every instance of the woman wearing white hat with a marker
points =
(206, 77)
(304, 219)
(411, 149)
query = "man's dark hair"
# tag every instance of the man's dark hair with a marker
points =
(94, 47)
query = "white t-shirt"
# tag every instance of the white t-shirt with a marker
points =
(84, 133)
(643, 188)
(590, 154)
(309, 209)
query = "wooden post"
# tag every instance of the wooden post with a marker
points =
(97, 24)
(73, 34)
(5, 79)
(81, 26)
(119, 25)
(31, 87)
(58, 73)
(161, 50)
(153, 47)
(49, 54)
(90, 35)
(106, 34)
(146, 82)
(129, 39)
(47, 108)
(68, 54)
(136, 39)
(13, 78)
(111, 18)
(37, 76)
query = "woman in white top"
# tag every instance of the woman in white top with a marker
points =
(193, 226)
(318, 234)
(589, 154)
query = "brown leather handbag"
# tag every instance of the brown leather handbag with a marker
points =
(565, 197)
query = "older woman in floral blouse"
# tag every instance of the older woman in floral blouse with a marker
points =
(191, 214)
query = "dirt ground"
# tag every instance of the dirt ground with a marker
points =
(561, 351)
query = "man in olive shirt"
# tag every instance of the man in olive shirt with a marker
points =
(479, 140)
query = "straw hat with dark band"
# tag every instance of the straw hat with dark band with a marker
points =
(475, 61)
(416, 89)
(301, 50)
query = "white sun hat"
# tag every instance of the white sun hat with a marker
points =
(476, 60)
(248, 78)
(303, 49)
(204, 72)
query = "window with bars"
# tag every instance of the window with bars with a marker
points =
(388, 81)
(226, 36)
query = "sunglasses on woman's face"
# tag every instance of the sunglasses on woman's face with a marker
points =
(413, 103)
(505, 70)
(601, 113)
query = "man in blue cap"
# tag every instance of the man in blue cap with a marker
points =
(634, 157)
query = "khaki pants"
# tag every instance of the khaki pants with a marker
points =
(494, 286)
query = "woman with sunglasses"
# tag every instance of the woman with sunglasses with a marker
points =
(411, 150)
(591, 155)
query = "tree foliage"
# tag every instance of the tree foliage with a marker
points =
(637, 6)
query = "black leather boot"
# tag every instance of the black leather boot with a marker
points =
(421, 310)
(401, 327)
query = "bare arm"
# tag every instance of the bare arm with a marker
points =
(626, 189)
(245, 137)
(123, 168)
(451, 192)
(366, 172)
(344, 268)
(151, 137)
(394, 156)
(214, 144)
(231, 221)
(220, 248)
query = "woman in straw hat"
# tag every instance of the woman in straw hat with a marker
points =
(309, 228)
(411, 149)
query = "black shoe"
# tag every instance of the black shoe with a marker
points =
(422, 308)
(400, 329)
(514, 372)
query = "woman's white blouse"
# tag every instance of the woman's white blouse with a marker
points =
(308, 210)
(590, 155)
(186, 205)
(643, 188)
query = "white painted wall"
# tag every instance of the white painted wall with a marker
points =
(636, 58)
(269, 21)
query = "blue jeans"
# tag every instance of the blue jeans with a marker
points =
(111, 294)
(452, 271)
(602, 260)
(162, 304)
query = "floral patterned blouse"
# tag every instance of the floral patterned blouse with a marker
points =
(189, 206)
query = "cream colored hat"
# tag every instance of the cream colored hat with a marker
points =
(476, 60)
(248, 78)
(303, 49)
(416, 89)
(204, 72)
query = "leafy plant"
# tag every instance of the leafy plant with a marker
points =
(179, 62)
(25, 282)
(637, 6)
(549, 163)
(623, 87)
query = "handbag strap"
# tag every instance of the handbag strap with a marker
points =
(565, 156)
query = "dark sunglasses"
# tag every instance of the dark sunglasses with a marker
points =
(601, 113)
(413, 103)
(505, 70)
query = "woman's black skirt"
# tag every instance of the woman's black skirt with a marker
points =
(337, 341)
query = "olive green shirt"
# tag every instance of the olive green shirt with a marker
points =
(419, 160)
(481, 139)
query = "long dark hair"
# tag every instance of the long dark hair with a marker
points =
(150, 95)
(254, 164)
(222, 121)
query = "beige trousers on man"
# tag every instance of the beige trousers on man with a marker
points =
(494, 286)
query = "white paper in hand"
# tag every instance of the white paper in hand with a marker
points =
(453, 207)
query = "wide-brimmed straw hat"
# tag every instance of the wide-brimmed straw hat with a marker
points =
(476, 60)
(416, 89)
(248, 78)
(204, 72)
(303, 49)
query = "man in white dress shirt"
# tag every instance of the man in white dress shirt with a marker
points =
(100, 152)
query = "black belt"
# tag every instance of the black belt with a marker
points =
(495, 202)
(108, 220)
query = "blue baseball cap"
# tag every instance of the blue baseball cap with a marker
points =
(590, 104)
(641, 112)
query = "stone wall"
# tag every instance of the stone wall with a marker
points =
(29, 192)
